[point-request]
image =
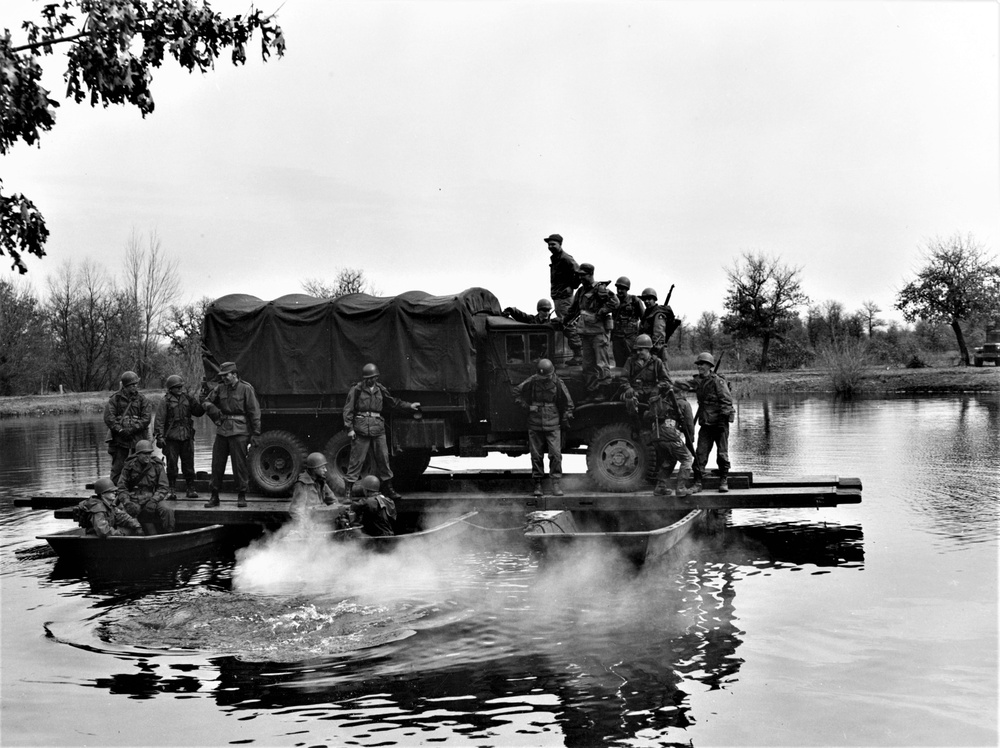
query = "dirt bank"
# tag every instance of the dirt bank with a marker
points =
(877, 381)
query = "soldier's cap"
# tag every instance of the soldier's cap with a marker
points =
(585, 269)
(553, 238)
(227, 367)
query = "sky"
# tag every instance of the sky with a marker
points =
(435, 144)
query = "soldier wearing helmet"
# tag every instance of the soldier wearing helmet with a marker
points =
(715, 412)
(543, 313)
(658, 322)
(234, 409)
(627, 318)
(311, 488)
(550, 409)
(142, 490)
(564, 279)
(593, 308)
(643, 373)
(375, 512)
(127, 416)
(365, 424)
(671, 425)
(173, 431)
(101, 515)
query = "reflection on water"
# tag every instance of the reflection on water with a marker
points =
(491, 647)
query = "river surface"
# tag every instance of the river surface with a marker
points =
(872, 624)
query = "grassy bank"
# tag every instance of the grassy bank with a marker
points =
(876, 381)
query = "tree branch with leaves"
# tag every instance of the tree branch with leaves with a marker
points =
(112, 47)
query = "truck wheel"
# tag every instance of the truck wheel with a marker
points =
(617, 459)
(338, 458)
(979, 362)
(276, 462)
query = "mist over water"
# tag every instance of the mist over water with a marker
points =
(789, 627)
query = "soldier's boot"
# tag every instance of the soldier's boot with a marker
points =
(241, 498)
(661, 488)
(538, 489)
(723, 485)
(577, 358)
(191, 493)
(696, 486)
(389, 491)
(172, 492)
(681, 491)
(213, 500)
(557, 487)
(348, 488)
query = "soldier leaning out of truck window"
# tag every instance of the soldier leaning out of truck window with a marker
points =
(366, 426)
(550, 408)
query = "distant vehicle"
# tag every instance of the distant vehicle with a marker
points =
(990, 351)
(455, 355)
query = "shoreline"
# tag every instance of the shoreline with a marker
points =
(952, 379)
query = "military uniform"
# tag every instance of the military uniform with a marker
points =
(645, 377)
(142, 490)
(715, 411)
(309, 492)
(376, 514)
(174, 427)
(593, 305)
(549, 408)
(658, 323)
(104, 518)
(563, 280)
(627, 318)
(127, 419)
(236, 414)
(671, 424)
(363, 414)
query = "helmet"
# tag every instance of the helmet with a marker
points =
(370, 483)
(130, 377)
(144, 445)
(624, 282)
(545, 366)
(369, 370)
(648, 292)
(543, 304)
(103, 485)
(643, 341)
(705, 358)
(315, 460)
(174, 381)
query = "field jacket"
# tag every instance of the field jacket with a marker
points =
(142, 481)
(670, 413)
(547, 400)
(234, 410)
(174, 417)
(656, 323)
(364, 407)
(645, 376)
(563, 279)
(592, 306)
(375, 513)
(105, 519)
(127, 419)
(308, 492)
(628, 317)
(715, 404)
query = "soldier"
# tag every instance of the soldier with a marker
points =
(174, 433)
(127, 416)
(142, 490)
(100, 515)
(627, 318)
(671, 423)
(366, 427)
(233, 407)
(594, 306)
(564, 278)
(311, 488)
(715, 413)
(643, 373)
(550, 408)
(657, 322)
(375, 511)
(544, 313)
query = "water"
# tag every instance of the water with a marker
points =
(870, 624)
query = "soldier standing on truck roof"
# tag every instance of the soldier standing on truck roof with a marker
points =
(233, 408)
(550, 408)
(564, 278)
(594, 306)
(127, 416)
(657, 322)
(627, 318)
(366, 427)
(543, 315)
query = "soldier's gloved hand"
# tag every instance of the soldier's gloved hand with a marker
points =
(162, 445)
(414, 406)
(507, 312)
(352, 434)
(254, 440)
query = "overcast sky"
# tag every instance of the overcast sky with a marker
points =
(434, 145)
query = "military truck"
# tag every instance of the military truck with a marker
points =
(990, 350)
(455, 355)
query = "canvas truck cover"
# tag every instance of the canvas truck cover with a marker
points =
(302, 345)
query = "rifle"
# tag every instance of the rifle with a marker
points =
(669, 294)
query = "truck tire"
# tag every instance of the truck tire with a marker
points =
(979, 362)
(617, 459)
(338, 457)
(276, 462)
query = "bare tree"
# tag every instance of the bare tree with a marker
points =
(960, 281)
(24, 340)
(183, 329)
(762, 299)
(151, 284)
(705, 331)
(869, 313)
(348, 281)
